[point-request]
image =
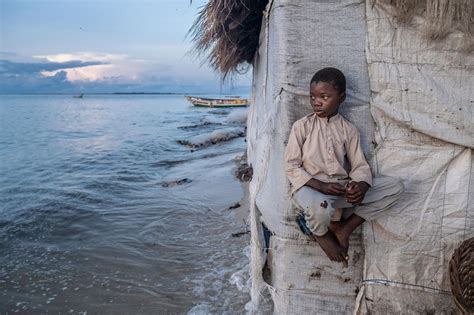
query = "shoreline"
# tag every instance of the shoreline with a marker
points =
(243, 173)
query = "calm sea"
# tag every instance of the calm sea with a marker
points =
(119, 205)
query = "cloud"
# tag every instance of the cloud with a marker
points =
(26, 77)
(104, 73)
(21, 68)
(7, 54)
(105, 67)
(83, 56)
(34, 83)
(125, 71)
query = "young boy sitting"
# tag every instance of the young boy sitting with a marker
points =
(328, 171)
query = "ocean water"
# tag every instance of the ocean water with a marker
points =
(120, 205)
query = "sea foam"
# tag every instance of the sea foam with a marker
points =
(238, 117)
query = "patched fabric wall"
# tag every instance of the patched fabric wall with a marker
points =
(422, 103)
(412, 100)
(297, 39)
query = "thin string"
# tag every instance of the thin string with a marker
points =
(467, 200)
(384, 282)
(444, 198)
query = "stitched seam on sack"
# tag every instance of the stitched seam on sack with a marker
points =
(467, 200)
(444, 200)
(385, 282)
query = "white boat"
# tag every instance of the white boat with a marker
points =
(218, 102)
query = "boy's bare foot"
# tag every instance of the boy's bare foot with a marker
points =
(337, 228)
(343, 229)
(331, 247)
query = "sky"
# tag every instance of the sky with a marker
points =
(71, 46)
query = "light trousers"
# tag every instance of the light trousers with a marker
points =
(319, 209)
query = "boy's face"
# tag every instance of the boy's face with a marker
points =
(325, 99)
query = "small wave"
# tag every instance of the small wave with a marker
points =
(22, 191)
(177, 182)
(219, 111)
(112, 187)
(39, 220)
(241, 279)
(214, 137)
(238, 117)
(171, 163)
(84, 197)
(200, 309)
(131, 178)
(203, 124)
(213, 120)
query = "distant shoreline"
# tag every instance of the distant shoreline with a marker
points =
(113, 93)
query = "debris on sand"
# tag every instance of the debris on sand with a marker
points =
(235, 206)
(239, 234)
(244, 172)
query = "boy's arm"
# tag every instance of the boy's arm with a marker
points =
(360, 170)
(294, 158)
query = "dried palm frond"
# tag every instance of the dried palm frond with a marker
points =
(461, 272)
(441, 16)
(228, 31)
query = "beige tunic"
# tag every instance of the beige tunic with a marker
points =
(325, 149)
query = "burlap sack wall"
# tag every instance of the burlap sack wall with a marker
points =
(298, 38)
(420, 96)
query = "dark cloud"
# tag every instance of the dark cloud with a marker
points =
(7, 54)
(26, 77)
(20, 68)
(34, 83)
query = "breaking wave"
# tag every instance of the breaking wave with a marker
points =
(239, 117)
(214, 137)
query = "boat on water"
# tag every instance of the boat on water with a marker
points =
(218, 102)
(79, 96)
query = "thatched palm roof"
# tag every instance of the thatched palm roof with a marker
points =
(441, 16)
(228, 30)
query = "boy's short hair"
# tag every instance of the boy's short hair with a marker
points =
(332, 76)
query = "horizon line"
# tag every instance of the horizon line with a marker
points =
(117, 93)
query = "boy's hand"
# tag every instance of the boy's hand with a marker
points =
(356, 192)
(334, 189)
